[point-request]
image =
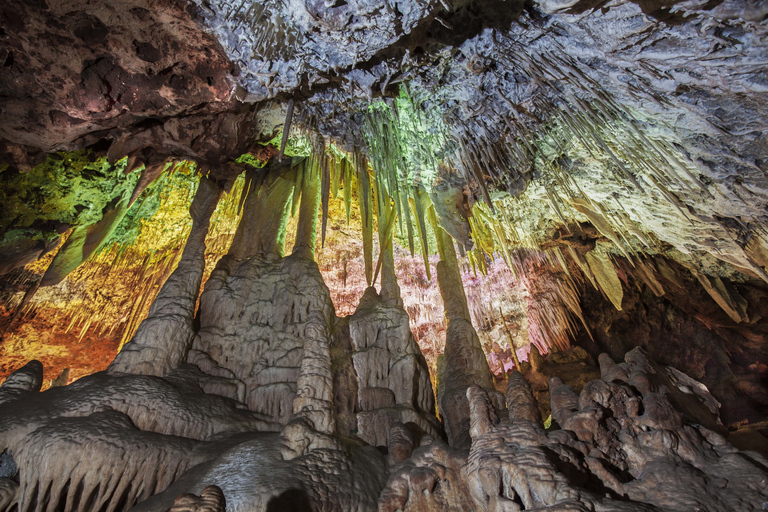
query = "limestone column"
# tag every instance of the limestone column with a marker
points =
(390, 291)
(463, 363)
(306, 231)
(313, 422)
(164, 337)
(261, 231)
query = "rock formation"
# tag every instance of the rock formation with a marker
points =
(464, 363)
(247, 416)
(189, 188)
(620, 446)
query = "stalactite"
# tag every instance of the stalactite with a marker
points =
(728, 299)
(310, 197)
(405, 208)
(348, 188)
(647, 275)
(262, 228)
(605, 275)
(390, 291)
(325, 188)
(305, 167)
(420, 204)
(336, 170)
(286, 129)
(366, 215)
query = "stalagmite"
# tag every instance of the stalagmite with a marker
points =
(392, 375)
(464, 363)
(163, 339)
(520, 402)
(148, 463)
(522, 466)
(277, 309)
(563, 400)
(313, 421)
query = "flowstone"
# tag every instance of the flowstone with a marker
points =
(392, 374)
(254, 319)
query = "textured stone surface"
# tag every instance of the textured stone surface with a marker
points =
(163, 339)
(281, 46)
(624, 440)
(621, 446)
(254, 319)
(75, 68)
(393, 378)
(211, 499)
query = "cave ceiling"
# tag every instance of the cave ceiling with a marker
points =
(646, 119)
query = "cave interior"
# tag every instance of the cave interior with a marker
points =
(383, 255)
